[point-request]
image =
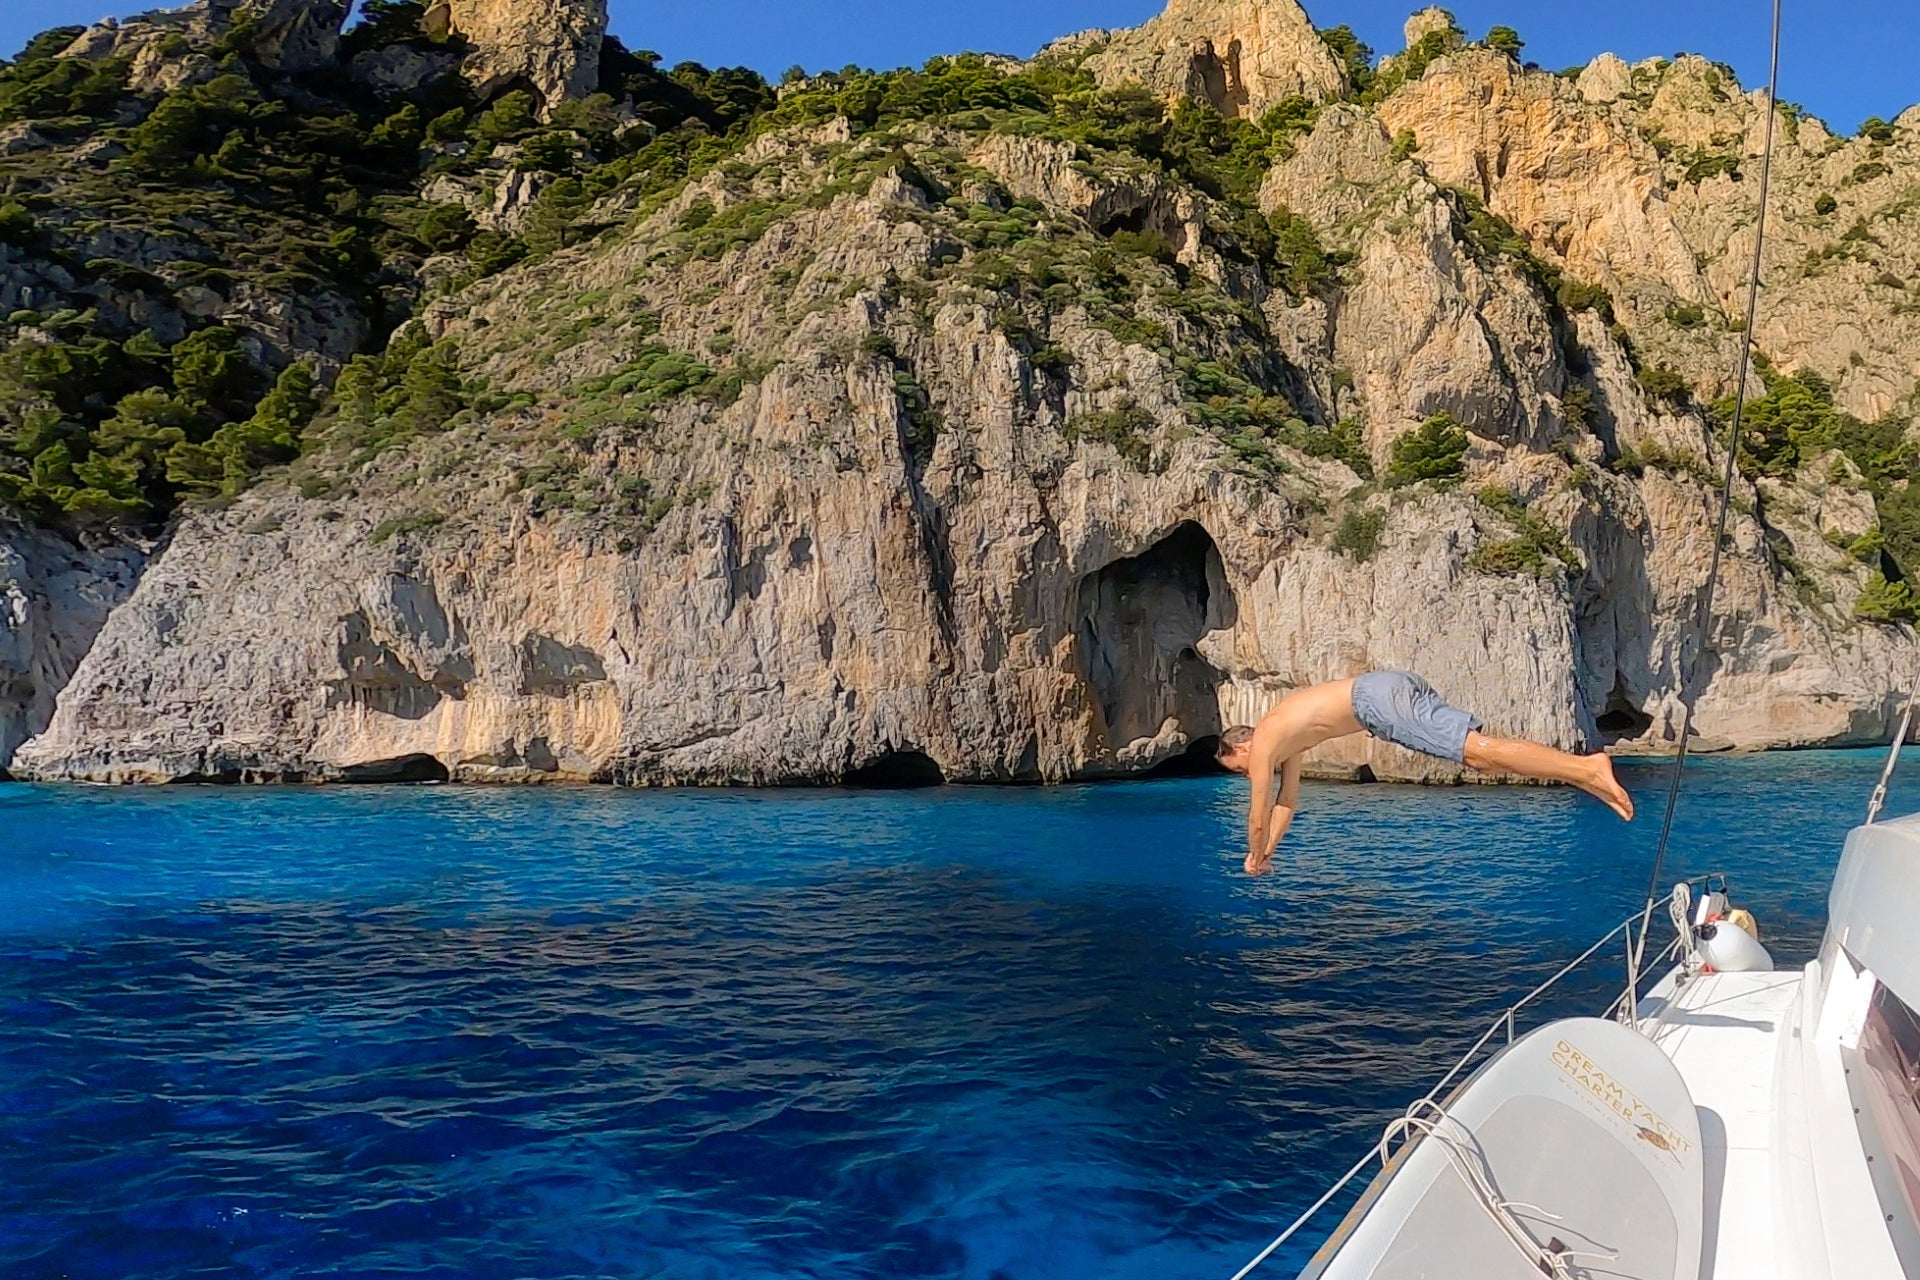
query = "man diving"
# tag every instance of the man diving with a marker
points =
(1401, 708)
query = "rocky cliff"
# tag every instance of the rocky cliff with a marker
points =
(553, 47)
(975, 423)
(54, 598)
(1239, 57)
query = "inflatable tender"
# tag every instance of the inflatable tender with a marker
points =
(1574, 1152)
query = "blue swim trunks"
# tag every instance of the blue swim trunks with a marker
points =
(1402, 708)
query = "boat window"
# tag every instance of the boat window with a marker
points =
(1890, 1051)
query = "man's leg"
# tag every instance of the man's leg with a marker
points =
(1592, 774)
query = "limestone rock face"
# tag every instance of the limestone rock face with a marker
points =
(1606, 79)
(1838, 298)
(54, 597)
(294, 35)
(16, 139)
(284, 35)
(553, 46)
(1425, 22)
(825, 584)
(400, 68)
(1567, 177)
(1644, 180)
(1240, 56)
(1427, 327)
(503, 208)
(965, 462)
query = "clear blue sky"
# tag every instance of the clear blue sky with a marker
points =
(1844, 60)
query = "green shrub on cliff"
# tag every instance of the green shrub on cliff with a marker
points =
(1122, 428)
(1300, 261)
(1884, 601)
(385, 22)
(942, 89)
(1796, 421)
(1358, 533)
(302, 194)
(17, 227)
(1899, 512)
(1666, 384)
(1353, 54)
(1505, 40)
(191, 126)
(1538, 548)
(1413, 63)
(1344, 441)
(1436, 451)
(94, 430)
(41, 85)
(237, 453)
(511, 116)
(381, 402)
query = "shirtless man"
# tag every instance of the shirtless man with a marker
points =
(1399, 707)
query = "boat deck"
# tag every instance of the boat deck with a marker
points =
(1721, 1030)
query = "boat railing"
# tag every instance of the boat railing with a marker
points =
(1625, 1008)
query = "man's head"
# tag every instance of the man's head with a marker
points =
(1236, 749)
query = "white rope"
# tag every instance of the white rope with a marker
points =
(1429, 1119)
(1679, 910)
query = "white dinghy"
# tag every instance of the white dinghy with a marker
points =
(1584, 1116)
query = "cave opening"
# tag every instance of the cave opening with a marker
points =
(1134, 220)
(1622, 717)
(900, 769)
(1140, 622)
(1197, 761)
(413, 768)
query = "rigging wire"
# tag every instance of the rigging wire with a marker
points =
(1704, 619)
(1893, 754)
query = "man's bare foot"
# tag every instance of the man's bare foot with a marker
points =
(1258, 867)
(1605, 788)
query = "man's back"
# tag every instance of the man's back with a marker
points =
(1303, 720)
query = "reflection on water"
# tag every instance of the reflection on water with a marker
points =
(975, 1033)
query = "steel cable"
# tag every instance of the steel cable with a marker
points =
(1704, 620)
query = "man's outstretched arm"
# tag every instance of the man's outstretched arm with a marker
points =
(1267, 822)
(1259, 808)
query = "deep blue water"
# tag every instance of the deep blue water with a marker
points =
(973, 1033)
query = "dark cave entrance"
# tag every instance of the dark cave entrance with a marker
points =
(1139, 622)
(1134, 220)
(415, 768)
(897, 770)
(1622, 718)
(1197, 761)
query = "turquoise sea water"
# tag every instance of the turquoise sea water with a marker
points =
(984, 1033)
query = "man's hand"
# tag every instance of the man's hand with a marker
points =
(1265, 830)
(1260, 860)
